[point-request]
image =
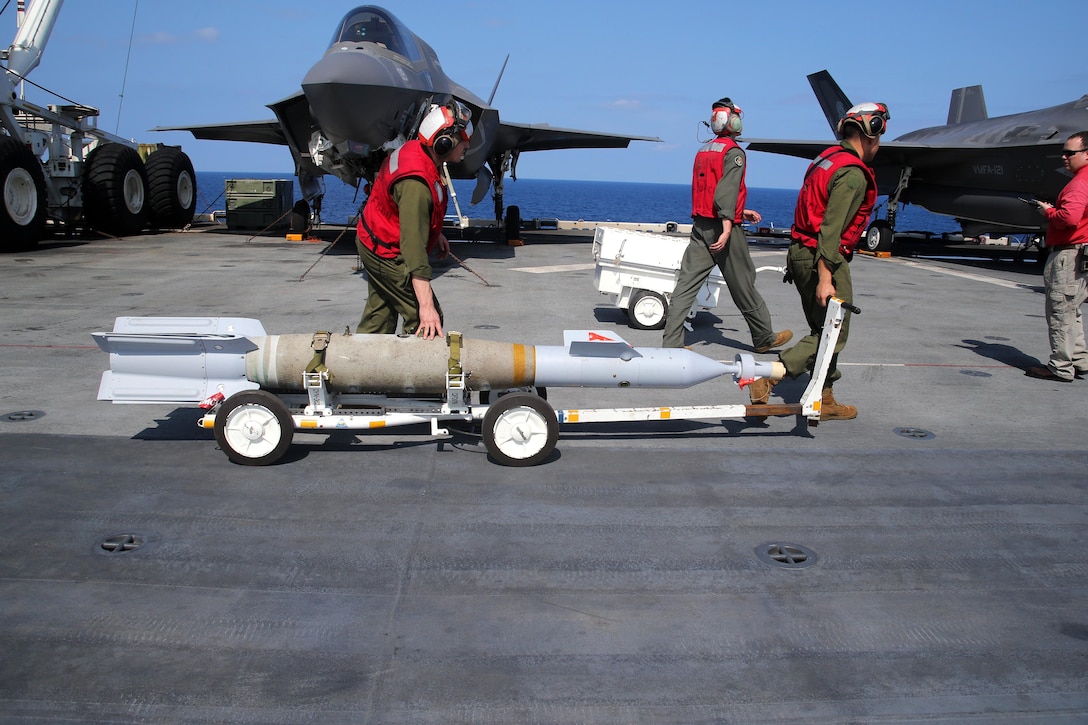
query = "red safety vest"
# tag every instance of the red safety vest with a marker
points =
(812, 201)
(379, 224)
(707, 172)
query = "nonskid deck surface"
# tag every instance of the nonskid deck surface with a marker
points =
(922, 562)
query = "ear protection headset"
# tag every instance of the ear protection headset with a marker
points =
(444, 126)
(871, 118)
(726, 118)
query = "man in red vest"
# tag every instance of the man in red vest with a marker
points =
(718, 195)
(833, 209)
(401, 225)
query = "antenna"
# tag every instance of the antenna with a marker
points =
(124, 80)
(503, 70)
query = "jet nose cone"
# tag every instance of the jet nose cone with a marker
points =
(358, 95)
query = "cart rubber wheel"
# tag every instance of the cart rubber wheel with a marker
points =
(254, 428)
(520, 430)
(647, 310)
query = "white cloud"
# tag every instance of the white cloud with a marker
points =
(203, 35)
(207, 35)
(159, 38)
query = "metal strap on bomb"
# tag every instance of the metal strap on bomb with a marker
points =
(454, 363)
(455, 378)
(320, 343)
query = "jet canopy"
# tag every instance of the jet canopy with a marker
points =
(371, 24)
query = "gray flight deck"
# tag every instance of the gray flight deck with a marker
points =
(925, 563)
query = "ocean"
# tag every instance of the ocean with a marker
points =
(570, 200)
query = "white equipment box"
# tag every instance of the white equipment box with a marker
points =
(638, 271)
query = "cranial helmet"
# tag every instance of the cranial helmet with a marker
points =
(725, 118)
(445, 125)
(871, 118)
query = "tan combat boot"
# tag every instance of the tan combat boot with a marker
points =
(831, 409)
(760, 389)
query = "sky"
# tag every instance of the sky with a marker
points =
(647, 69)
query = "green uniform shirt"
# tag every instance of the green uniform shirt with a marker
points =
(415, 203)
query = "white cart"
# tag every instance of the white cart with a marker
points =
(638, 271)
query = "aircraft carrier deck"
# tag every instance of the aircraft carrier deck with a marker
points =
(926, 562)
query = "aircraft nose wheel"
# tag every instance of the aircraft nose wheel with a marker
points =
(520, 430)
(254, 428)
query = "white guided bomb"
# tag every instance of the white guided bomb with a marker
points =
(259, 389)
(156, 359)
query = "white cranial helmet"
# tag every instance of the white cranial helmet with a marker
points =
(445, 125)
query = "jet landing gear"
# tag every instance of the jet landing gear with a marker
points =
(880, 236)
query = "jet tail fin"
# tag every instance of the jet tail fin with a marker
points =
(967, 104)
(832, 100)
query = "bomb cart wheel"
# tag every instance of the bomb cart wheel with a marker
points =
(647, 310)
(254, 428)
(520, 430)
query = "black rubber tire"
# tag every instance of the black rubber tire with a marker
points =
(254, 428)
(171, 185)
(513, 223)
(520, 430)
(879, 237)
(115, 190)
(655, 302)
(22, 183)
(300, 217)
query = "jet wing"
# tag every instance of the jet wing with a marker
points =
(542, 137)
(252, 131)
(891, 153)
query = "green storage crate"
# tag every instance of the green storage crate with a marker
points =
(259, 203)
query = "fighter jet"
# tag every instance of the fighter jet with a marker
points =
(368, 94)
(975, 168)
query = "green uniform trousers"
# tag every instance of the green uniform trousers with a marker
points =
(800, 358)
(735, 263)
(390, 294)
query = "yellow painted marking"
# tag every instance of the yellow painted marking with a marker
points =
(572, 416)
(306, 423)
(377, 424)
(519, 364)
(666, 413)
(208, 423)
